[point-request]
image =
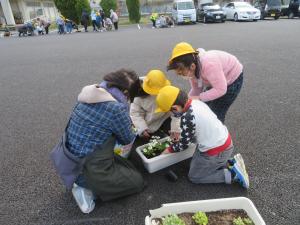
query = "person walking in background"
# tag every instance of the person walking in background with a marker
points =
(84, 20)
(114, 18)
(216, 77)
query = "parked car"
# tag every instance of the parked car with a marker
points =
(210, 12)
(290, 8)
(184, 11)
(269, 8)
(241, 11)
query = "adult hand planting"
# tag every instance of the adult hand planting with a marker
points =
(146, 134)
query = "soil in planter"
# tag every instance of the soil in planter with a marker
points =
(224, 217)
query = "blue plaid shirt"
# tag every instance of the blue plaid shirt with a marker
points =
(93, 124)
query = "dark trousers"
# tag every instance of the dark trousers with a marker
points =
(85, 25)
(94, 23)
(47, 29)
(221, 105)
(61, 29)
(153, 23)
(116, 25)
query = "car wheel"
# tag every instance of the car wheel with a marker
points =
(291, 15)
(223, 21)
(255, 20)
(236, 17)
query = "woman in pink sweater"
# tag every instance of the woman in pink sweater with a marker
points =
(216, 77)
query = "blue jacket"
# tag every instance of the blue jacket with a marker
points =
(94, 119)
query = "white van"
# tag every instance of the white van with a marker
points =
(184, 11)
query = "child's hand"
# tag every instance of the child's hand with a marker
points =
(166, 151)
(175, 136)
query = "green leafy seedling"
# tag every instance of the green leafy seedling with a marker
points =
(173, 219)
(238, 221)
(200, 218)
(248, 221)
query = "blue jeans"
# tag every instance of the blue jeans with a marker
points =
(69, 27)
(221, 105)
(61, 29)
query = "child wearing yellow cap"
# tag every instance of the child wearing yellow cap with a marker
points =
(142, 110)
(212, 162)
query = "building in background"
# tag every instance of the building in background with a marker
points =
(19, 11)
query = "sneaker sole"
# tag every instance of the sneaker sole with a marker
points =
(84, 210)
(241, 169)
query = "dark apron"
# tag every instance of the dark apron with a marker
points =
(110, 176)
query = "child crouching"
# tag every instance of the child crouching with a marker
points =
(211, 162)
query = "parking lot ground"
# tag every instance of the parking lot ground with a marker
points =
(41, 76)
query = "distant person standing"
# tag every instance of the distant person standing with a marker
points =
(114, 18)
(61, 25)
(84, 20)
(94, 21)
(98, 21)
(102, 14)
(153, 18)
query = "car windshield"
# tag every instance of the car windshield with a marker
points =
(212, 7)
(274, 2)
(242, 5)
(185, 5)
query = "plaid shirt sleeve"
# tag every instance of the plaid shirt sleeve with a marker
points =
(122, 126)
(187, 136)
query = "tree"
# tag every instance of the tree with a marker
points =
(107, 5)
(82, 5)
(72, 9)
(133, 7)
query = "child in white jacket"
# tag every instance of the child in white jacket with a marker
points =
(142, 110)
(212, 161)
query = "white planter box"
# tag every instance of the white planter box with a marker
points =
(208, 206)
(163, 161)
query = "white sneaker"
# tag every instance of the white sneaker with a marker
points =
(84, 198)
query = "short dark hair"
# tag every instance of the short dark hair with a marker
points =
(181, 99)
(141, 92)
(124, 80)
(183, 61)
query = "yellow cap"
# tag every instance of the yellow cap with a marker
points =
(154, 81)
(180, 49)
(166, 98)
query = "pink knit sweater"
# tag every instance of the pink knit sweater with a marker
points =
(218, 70)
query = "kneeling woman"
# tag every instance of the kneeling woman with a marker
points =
(101, 117)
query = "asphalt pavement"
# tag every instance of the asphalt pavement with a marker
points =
(40, 78)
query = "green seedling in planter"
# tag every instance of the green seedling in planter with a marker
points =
(240, 221)
(155, 148)
(248, 221)
(172, 219)
(200, 218)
